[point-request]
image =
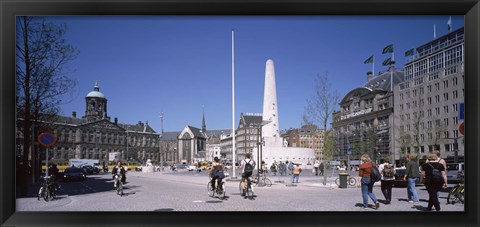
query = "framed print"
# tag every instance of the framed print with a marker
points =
(156, 88)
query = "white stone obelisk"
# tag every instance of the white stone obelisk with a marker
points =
(270, 131)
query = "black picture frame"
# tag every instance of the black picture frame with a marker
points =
(10, 9)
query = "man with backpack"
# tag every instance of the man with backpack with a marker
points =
(247, 166)
(388, 176)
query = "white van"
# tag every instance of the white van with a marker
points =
(453, 169)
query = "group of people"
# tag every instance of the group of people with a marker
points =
(433, 171)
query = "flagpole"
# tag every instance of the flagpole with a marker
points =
(373, 66)
(434, 32)
(233, 108)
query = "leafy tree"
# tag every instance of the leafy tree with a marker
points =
(41, 79)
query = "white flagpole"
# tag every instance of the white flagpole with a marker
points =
(434, 32)
(233, 108)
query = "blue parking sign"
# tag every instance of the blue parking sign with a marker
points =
(349, 149)
(461, 111)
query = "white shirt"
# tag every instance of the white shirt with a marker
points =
(245, 161)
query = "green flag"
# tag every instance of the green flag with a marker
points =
(369, 60)
(387, 61)
(388, 49)
(409, 53)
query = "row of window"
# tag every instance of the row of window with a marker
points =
(434, 63)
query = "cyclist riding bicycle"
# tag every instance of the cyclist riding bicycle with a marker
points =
(247, 166)
(216, 172)
(117, 173)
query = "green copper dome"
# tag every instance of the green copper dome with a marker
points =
(96, 93)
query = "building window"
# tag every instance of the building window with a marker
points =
(437, 98)
(445, 109)
(445, 96)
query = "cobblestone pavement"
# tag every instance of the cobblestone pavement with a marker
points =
(187, 191)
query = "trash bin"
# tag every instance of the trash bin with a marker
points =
(343, 180)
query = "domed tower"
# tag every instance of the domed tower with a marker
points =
(96, 105)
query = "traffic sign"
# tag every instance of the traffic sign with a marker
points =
(47, 139)
(349, 149)
(461, 111)
(461, 129)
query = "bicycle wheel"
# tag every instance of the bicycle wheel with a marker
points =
(268, 182)
(46, 194)
(461, 194)
(221, 191)
(255, 181)
(40, 193)
(337, 181)
(352, 181)
(211, 192)
(121, 189)
(452, 197)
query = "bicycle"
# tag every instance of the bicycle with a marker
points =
(219, 190)
(48, 189)
(248, 192)
(457, 193)
(263, 178)
(350, 181)
(119, 184)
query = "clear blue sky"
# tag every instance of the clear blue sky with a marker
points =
(177, 64)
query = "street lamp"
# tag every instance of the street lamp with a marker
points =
(260, 143)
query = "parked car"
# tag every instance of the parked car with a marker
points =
(73, 173)
(400, 175)
(182, 167)
(192, 167)
(88, 169)
(453, 170)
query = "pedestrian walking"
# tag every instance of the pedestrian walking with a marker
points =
(365, 182)
(273, 169)
(316, 166)
(435, 179)
(321, 167)
(282, 168)
(296, 173)
(289, 168)
(411, 175)
(388, 175)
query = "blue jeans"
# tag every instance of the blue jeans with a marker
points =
(367, 188)
(412, 192)
(295, 178)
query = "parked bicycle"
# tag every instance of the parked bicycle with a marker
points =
(350, 181)
(248, 193)
(48, 190)
(457, 194)
(262, 179)
(219, 190)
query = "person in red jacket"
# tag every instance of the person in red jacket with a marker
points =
(365, 182)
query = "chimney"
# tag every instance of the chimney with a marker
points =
(369, 76)
(74, 114)
(116, 120)
(140, 123)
